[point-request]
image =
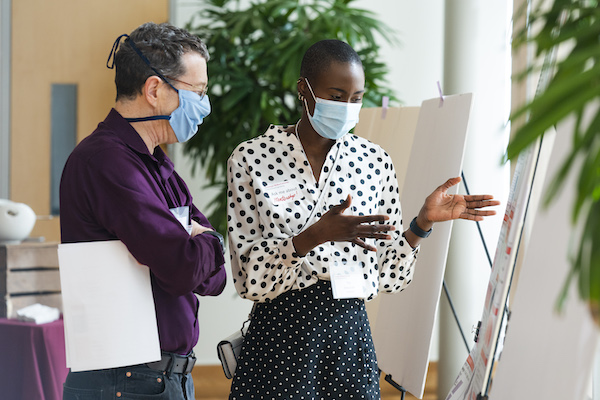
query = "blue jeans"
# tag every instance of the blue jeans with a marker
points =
(133, 382)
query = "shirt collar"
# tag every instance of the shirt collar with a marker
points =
(132, 139)
(126, 133)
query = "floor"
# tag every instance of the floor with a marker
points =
(211, 384)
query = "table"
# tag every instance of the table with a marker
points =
(32, 360)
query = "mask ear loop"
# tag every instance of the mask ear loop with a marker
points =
(310, 88)
(304, 98)
(113, 52)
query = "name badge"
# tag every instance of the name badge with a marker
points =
(183, 216)
(283, 192)
(347, 281)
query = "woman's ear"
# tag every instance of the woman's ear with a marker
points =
(302, 89)
(151, 88)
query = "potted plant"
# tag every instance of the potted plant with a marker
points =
(571, 90)
(256, 52)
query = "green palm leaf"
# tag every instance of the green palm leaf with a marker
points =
(574, 90)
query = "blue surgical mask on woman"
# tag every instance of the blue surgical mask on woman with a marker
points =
(332, 119)
(184, 119)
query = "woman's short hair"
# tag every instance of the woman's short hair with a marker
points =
(320, 55)
(163, 45)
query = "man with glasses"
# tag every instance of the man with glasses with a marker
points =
(118, 184)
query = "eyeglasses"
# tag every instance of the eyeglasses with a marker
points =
(199, 92)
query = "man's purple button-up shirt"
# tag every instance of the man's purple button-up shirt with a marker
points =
(112, 188)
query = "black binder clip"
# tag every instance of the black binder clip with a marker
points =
(476, 331)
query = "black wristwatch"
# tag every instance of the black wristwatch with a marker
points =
(414, 228)
(218, 236)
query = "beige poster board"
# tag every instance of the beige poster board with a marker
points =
(403, 329)
(393, 129)
(547, 355)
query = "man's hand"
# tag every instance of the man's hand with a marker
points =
(197, 229)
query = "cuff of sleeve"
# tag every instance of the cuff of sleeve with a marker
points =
(415, 250)
(289, 255)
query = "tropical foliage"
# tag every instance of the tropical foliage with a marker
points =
(256, 52)
(573, 89)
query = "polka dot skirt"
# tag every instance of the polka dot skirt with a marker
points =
(307, 345)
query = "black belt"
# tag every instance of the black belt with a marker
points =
(174, 363)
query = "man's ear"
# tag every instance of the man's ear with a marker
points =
(151, 88)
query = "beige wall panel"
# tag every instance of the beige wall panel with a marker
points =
(47, 229)
(364, 126)
(62, 41)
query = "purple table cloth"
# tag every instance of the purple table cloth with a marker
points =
(32, 360)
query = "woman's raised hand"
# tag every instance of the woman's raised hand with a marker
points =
(440, 206)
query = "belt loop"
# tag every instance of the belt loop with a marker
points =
(169, 369)
(192, 358)
(184, 370)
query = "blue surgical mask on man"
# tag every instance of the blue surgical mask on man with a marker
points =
(332, 119)
(189, 115)
(186, 117)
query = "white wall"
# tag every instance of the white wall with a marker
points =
(476, 60)
(417, 63)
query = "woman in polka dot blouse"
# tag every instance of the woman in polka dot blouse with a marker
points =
(315, 228)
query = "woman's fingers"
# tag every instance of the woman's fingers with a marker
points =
(374, 230)
(343, 205)
(476, 215)
(361, 243)
(449, 183)
(483, 198)
(367, 219)
(355, 228)
(474, 204)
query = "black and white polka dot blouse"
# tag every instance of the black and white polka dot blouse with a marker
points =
(273, 196)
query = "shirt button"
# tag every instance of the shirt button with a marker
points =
(118, 394)
(128, 374)
(159, 380)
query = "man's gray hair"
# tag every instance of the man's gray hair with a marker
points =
(163, 45)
